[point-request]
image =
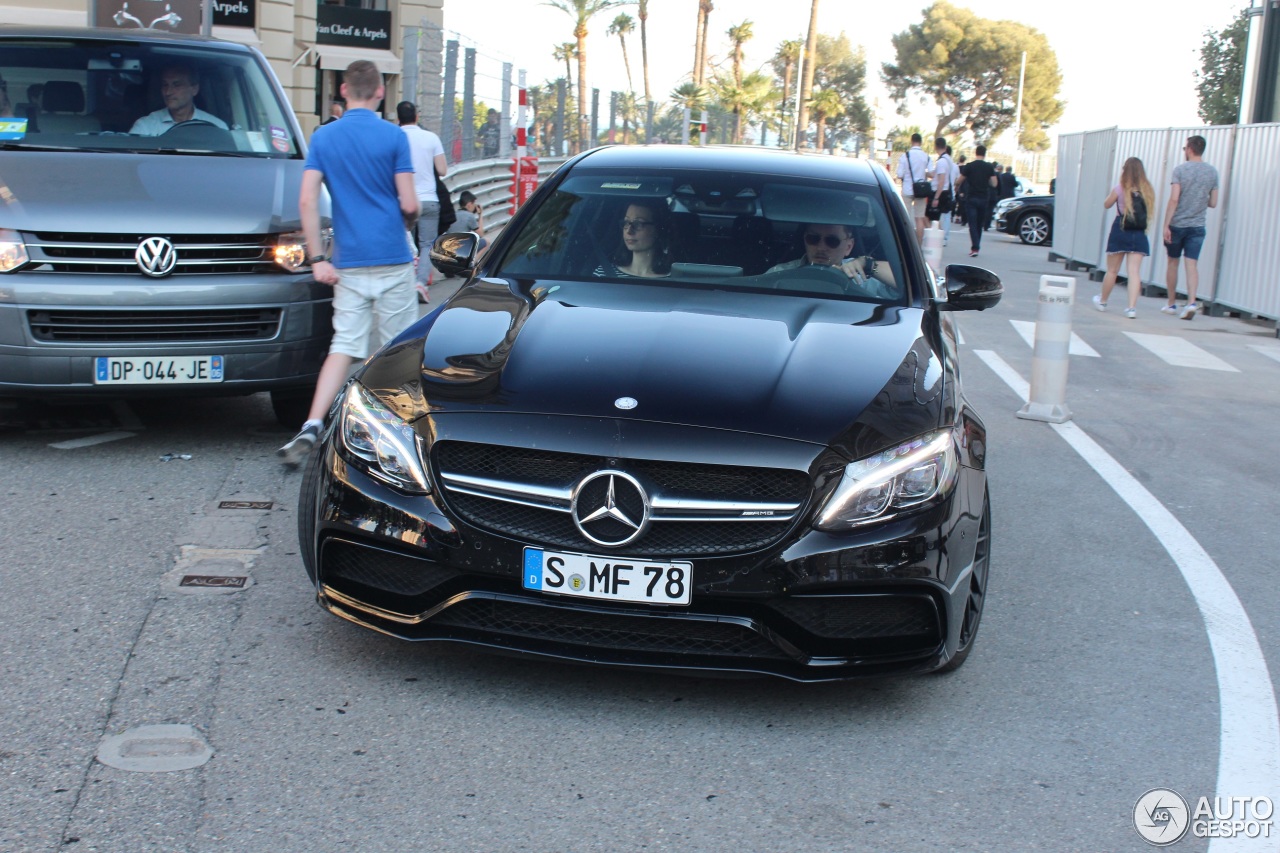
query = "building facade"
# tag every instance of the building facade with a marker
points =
(307, 42)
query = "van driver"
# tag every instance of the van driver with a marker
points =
(179, 88)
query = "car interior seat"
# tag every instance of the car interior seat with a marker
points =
(63, 109)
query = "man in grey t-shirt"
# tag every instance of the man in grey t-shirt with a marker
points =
(1194, 190)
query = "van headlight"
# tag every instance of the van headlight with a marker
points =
(380, 443)
(911, 475)
(291, 249)
(13, 252)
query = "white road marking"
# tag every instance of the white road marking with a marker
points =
(1249, 744)
(90, 441)
(1271, 352)
(1027, 330)
(1179, 352)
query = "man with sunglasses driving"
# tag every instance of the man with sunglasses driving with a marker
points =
(830, 246)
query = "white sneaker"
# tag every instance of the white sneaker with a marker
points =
(1189, 312)
(296, 450)
(1170, 309)
(1098, 303)
(1130, 313)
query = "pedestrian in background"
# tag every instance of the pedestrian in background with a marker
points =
(471, 215)
(1133, 196)
(914, 173)
(943, 199)
(1194, 190)
(427, 153)
(365, 163)
(978, 180)
(958, 213)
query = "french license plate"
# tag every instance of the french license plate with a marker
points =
(138, 370)
(607, 578)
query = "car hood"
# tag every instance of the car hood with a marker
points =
(816, 370)
(148, 193)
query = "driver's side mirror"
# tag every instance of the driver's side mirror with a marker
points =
(971, 289)
(454, 254)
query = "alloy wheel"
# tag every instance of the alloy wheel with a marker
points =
(1033, 229)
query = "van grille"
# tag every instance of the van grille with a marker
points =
(104, 326)
(198, 254)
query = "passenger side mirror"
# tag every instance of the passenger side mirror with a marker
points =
(454, 254)
(971, 289)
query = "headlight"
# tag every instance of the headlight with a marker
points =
(291, 249)
(13, 252)
(382, 444)
(909, 475)
(1010, 204)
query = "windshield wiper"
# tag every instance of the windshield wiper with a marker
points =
(199, 152)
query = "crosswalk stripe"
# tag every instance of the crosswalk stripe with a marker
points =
(1179, 352)
(1027, 330)
(1269, 351)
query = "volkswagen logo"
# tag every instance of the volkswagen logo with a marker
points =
(156, 257)
(610, 508)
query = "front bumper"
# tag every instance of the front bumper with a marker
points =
(54, 326)
(883, 600)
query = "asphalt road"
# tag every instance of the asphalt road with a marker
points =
(1093, 680)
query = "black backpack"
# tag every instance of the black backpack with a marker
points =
(1135, 218)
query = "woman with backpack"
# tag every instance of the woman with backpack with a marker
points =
(1127, 244)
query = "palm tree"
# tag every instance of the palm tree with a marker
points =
(750, 98)
(705, 8)
(689, 96)
(582, 11)
(629, 112)
(787, 56)
(738, 36)
(825, 104)
(566, 53)
(642, 12)
(806, 85)
(623, 26)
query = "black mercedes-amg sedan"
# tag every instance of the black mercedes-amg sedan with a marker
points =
(695, 409)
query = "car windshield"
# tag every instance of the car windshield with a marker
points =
(94, 95)
(766, 233)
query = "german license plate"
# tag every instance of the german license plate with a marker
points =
(607, 578)
(138, 370)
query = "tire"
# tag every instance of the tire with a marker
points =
(291, 406)
(1034, 228)
(977, 591)
(307, 511)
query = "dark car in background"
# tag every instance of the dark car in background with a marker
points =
(139, 256)
(745, 464)
(1027, 217)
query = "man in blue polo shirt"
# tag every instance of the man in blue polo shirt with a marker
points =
(365, 163)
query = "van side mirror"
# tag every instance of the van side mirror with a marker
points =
(454, 254)
(971, 289)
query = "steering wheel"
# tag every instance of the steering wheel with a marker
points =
(191, 122)
(823, 279)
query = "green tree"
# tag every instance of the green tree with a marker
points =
(806, 84)
(623, 26)
(642, 12)
(784, 65)
(901, 137)
(582, 11)
(750, 100)
(566, 53)
(969, 67)
(690, 95)
(840, 67)
(1221, 72)
(825, 103)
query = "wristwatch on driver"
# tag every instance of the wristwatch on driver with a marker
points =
(315, 259)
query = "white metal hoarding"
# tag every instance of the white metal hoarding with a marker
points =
(1249, 273)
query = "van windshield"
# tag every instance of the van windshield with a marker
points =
(98, 95)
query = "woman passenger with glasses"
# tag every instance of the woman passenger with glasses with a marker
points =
(645, 249)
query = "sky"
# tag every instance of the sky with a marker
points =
(1124, 63)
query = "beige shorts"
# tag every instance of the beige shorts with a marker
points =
(915, 206)
(375, 303)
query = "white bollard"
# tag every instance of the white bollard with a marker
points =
(933, 248)
(1048, 401)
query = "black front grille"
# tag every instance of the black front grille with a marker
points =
(862, 617)
(618, 631)
(385, 571)
(669, 539)
(668, 479)
(169, 325)
(198, 254)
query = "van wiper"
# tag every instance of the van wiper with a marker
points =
(27, 146)
(199, 152)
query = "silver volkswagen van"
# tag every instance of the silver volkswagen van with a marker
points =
(149, 233)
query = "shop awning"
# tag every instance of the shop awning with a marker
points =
(338, 57)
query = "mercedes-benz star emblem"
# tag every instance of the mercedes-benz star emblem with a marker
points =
(610, 508)
(156, 257)
(626, 402)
